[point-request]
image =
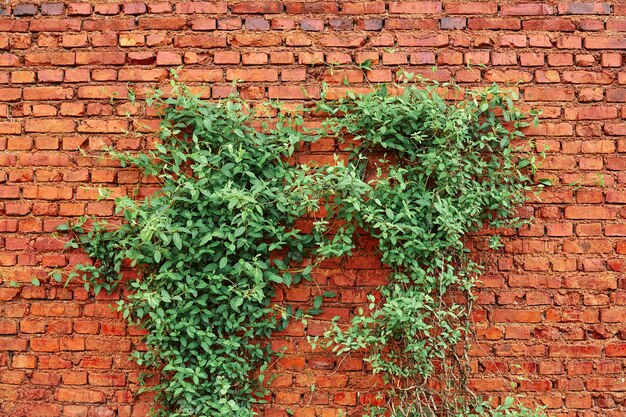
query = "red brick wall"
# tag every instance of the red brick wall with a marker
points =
(552, 314)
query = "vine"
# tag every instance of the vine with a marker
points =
(437, 170)
(211, 246)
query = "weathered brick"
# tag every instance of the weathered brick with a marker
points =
(57, 25)
(109, 25)
(50, 59)
(475, 7)
(268, 7)
(605, 43)
(47, 93)
(200, 41)
(415, 7)
(52, 9)
(202, 7)
(24, 9)
(100, 58)
(584, 8)
(79, 395)
(79, 9)
(162, 23)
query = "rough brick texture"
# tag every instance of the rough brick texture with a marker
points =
(552, 311)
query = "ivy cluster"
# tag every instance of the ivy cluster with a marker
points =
(210, 248)
(222, 233)
(436, 171)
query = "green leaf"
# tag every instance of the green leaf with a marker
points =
(177, 241)
(223, 263)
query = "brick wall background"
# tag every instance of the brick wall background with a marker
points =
(552, 312)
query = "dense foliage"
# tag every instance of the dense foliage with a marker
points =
(211, 246)
(437, 170)
(230, 197)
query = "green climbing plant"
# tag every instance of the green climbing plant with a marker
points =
(440, 163)
(209, 248)
(202, 257)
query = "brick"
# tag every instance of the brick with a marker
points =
(47, 93)
(168, 58)
(229, 24)
(516, 316)
(110, 9)
(22, 9)
(312, 25)
(268, 7)
(13, 25)
(453, 23)
(363, 8)
(616, 349)
(103, 126)
(587, 246)
(44, 378)
(50, 59)
(51, 126)
(96, 362)
(44, 345)
(202, 7)
(429, 41)
(588, 77)
(604, 43)
(251, 75)
(554, 24)
(100, 58)
(134, 8)
(13, 344)
(102, 92)
(257, 23)
(256, 40)
(60, 25)
(548, 94)
(317, 7)
(494, 24)
(9, 60)
(142, 75)
(162, 23)
(415, 7)
(584, 8)
(76, 395)
(475, 8)
(203, 24)
(79, 9)
(200, 41)
(112, 380)
(114, 25)
(526, 9)
(52, 9)
(575, 351)
(160, 8)
(555, 293)
(507, 76)
(591, 113)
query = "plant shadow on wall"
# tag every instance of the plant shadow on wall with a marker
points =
(210, 248)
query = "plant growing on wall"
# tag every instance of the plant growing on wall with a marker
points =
(212, 245)
(229, 199)
(437, 170)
